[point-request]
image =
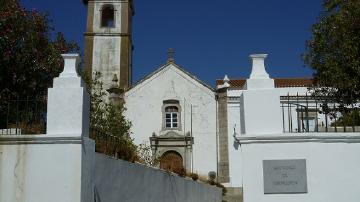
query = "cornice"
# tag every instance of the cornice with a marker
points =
(300, 138)
(106, 34)
(39, 139)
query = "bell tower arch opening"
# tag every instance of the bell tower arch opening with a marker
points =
(108, 16)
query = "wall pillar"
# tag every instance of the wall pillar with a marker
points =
(57, 166)
(68, 102)
(223, 164)
(260, 101)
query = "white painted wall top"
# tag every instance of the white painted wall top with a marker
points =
(258, 67)
(71, 61)
(259, 78)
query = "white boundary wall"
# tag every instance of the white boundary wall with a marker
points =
(57, 166)
(332, 159)
(60, 166)
(43, 169)
(332, 165)
(118, 179)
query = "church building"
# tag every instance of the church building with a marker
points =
(170, 110)
(187, 123)
(176, 112)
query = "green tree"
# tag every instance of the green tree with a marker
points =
(29, 60)
(29, 57)
(108, 125)
(334, 53)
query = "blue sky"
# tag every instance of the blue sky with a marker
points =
(211, 38)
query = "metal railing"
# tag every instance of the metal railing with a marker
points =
(22, 115)
(111, 145)
(304, 113)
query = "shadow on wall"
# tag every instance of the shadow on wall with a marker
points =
(96, 195)
(118, 180)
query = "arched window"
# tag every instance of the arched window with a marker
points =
(108, 16)
(171, 111)
(171, 117)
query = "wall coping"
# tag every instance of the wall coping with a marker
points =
(299, 138)
(40, 139)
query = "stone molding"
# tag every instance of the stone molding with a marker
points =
(109, 1)
(107, 34)
(300, 138)
(39, 139)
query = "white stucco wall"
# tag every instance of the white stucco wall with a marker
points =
(117, 180)
(106, 58)
(260, 113)
(332, 166)
(234, 120)
(37, 173)
(235, 169)
(144, 109)
(42, 169)
(282, 91)
(293, 91)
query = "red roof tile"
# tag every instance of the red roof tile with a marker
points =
(279, 82)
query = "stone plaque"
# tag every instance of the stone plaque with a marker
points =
(285, 176)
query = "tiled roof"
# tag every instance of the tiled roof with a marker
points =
(293, 82)
(279, 82)
(233, 82)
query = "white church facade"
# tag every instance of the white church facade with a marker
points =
(175, 113)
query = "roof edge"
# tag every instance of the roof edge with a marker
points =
(160, 68)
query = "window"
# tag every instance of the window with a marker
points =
(171, 111)
(171, 117)
(107, 16)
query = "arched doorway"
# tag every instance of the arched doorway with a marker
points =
(172, 161)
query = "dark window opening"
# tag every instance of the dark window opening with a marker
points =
(108, 16)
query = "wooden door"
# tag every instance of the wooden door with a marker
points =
(171, 161)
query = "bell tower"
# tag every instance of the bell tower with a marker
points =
(108, 40)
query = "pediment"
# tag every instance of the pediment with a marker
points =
(164, 70)
(171, 134)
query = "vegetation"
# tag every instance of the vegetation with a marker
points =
(211, 180)
(349, 119)
(108, 126)
(334, 53)
(194, 176)
(29, 60)
(144, 155)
